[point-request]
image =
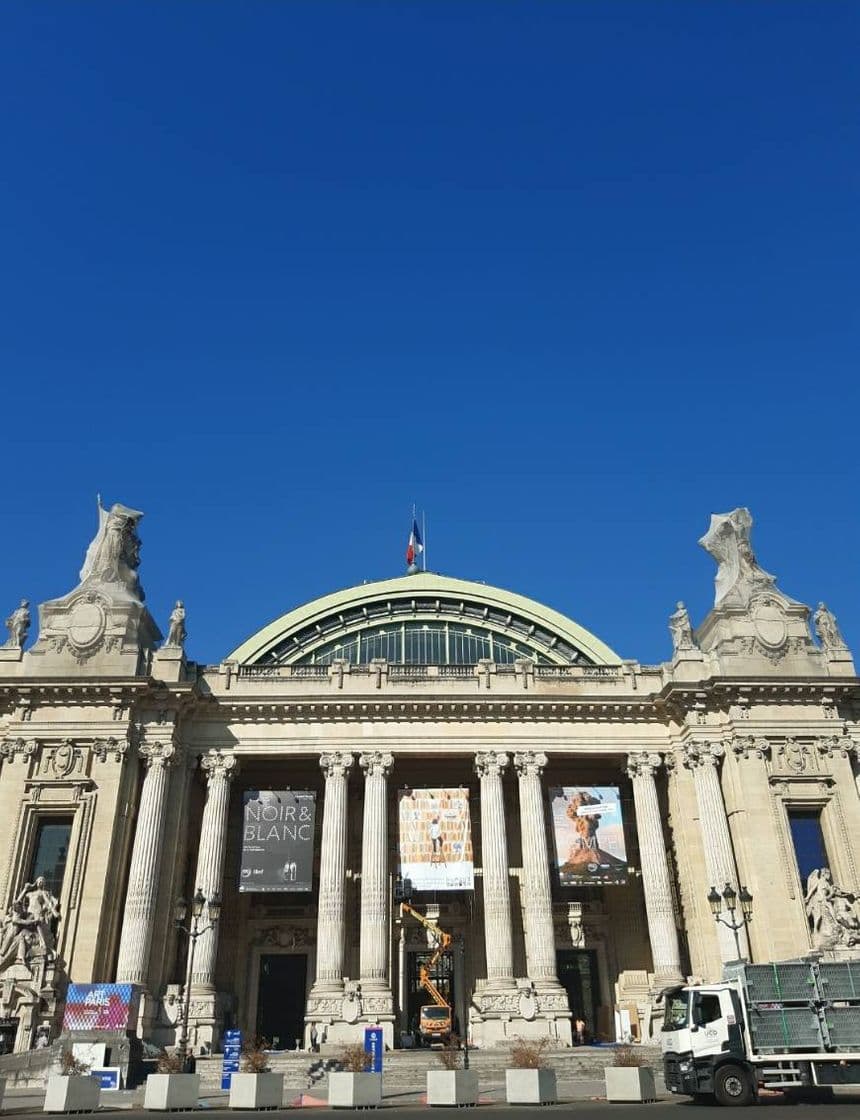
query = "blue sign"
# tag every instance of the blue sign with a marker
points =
(108, 1077)
(232, 1051)
(373, 1045)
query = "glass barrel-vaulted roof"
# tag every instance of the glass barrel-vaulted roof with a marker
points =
(423, 619)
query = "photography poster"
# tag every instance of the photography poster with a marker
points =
(436, 839)
(277, 840)
(589, 835)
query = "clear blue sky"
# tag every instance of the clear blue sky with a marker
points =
(569, 275)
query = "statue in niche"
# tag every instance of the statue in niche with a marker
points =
(826, 629)
(681, 629)
(27, 930)
(832, 912)
(739, 576)
(177, 633)
(18, 625)
(113, 556)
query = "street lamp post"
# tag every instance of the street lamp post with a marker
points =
(213, 908)
(728, 900)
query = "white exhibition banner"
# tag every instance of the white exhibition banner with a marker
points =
(436, 839)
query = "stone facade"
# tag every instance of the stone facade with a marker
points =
(143, 756)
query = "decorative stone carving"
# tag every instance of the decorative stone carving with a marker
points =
(113, 556)
(750, 746)
(376, 765)
(681, 629)
(835, 745)
(771, 626)
(103, 748)
(280, 938)
(18, 625)
(218, 764)
(531, 764)
(833, 915)
(703, 754)
(645, 763)
(29, 926)
(575, 924)
(491, 764)
(336, 764)
(739, 575)
(794, 756)
(161, 755)
(826, 630)
(11, 748)
(63, 759)
(176, 633)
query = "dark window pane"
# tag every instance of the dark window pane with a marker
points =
(808, 841)
(51, 852)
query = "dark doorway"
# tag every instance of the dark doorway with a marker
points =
(577, 972)
(442, 978)
(281, 999)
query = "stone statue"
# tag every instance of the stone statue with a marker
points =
(681, 630)
(739, 576)
(832, 912)
(27, 930)
(18, 625)
(113, 557)
(177, 633)
(44, 908)
(825, 627)
(17, 933)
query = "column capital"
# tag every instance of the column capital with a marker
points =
(530, 764)
(490, 764)
(376, 763)
(643, 765)
(158, 755)
(336, 764)
(219, 764)
(703, 754)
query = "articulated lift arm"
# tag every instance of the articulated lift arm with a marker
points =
(442, 941)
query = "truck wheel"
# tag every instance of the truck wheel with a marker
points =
(732, 1086)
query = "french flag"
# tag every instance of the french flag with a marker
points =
(416, 545)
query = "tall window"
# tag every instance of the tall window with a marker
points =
(51, 852)
(808, 840)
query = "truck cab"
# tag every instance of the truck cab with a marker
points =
(434, 1024)
(703, 1045)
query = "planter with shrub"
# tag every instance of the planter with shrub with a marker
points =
(528, 1080)
(256, 1086)
(452, 1085)
(353, 1086)
(72, 1090)
(627, 1079)
(171, 1087)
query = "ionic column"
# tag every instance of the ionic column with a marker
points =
(662, 932)
(219, 769)
(330, 920)
(535, 883)
(494, 845)
(374, 872)
(704, 759)
(142, 893)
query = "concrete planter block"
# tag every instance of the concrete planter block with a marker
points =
(171, 1090)
(2, 1089)
(530, 1086)
(452, 1086)
(72, 1094)
(256, 1090)
(355, 1090)
(629, 1083)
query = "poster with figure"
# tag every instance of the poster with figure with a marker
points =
(277, 840)
(436, 839)
(589, 835)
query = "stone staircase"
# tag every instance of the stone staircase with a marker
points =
(404, 1070)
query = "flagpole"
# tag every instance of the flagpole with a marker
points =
(424, 540)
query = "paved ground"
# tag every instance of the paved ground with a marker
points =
(28, 1102)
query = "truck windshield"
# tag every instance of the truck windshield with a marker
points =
(677, 1010)
(434, 1013)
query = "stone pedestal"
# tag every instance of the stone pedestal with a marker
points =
(168, 664)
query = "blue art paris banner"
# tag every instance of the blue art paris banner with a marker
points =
(277, 840)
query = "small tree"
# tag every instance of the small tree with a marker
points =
(170, 1061)
(450, 1055)
(255, 1058)
(354, 1058)
(626, 1056)
(71, 1066)
(529, 1053)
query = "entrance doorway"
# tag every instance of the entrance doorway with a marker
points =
(281, 999)
(442, 977)
(577, 973)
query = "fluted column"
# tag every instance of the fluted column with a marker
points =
(219, 768)
(374, 872)
(494, 848)
(704, 760)
(142, 893)
(535, 883)
(662, 931)
(332, 894)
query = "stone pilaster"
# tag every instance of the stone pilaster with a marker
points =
(536, 894)
(330, 921)
(703, 759)
(494, 848)
(140, 900)
(662, 931)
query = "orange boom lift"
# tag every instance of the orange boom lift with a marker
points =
(434, 1023)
